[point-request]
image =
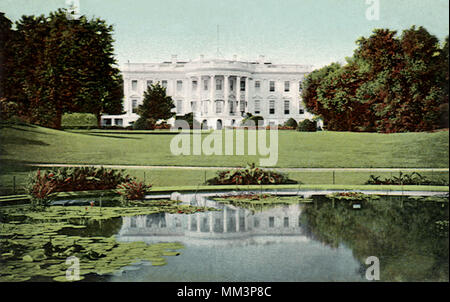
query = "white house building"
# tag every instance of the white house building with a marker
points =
(219, 92)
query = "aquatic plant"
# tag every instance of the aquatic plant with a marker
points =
(41, 189)
(132, 191)
(36, 244)
(259, 202)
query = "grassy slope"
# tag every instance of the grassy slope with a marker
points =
(33, 144)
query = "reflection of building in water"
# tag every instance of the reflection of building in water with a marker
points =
(231, 223)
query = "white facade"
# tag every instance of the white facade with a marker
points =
(219, 92)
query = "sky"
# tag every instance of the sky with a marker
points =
(313, 32)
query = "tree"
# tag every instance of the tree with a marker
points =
(156, 106)
(391, 84)
(5, 37)
(65, 65)
(307, 126)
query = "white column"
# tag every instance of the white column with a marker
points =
(199, 89)
(238, 89)
(237, 220)
(211, 222)
(226, 93)
(212, 90)
(225, 218)
(247, 92)
(245, 221)
(174, 91)
(198, 223)
(188, 86)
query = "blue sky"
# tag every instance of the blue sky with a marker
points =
(315, 32)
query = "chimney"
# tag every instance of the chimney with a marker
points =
(174, 59)
(261, 59)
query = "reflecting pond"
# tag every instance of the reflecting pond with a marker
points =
(320, 241)
(294, 239)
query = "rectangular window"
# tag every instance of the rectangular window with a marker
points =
(257, 107)
(179, 85)
(286, 107)
(231, 85)
(164, 84)
(272, 86)
(242, 106)
(179, 106)
(272, 107)
(232, 109)
(218, 84)
(134, 85)
(255, 222)
(286, 86)
(205, 84)
(242, 85)
(149, 83)
(134, 106)
(271, 222)
(286, 222)
(194, 85)
(106, 122)
(218, 106)
(118, 122)
(301, 111)
(300, 87)
(257, 85)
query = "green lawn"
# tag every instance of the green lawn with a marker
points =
(31, 144)
(175, 177)
(22, 144)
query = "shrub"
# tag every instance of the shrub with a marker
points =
(132, 190)
(144, 124)
(78, 121)
(405, 179)
(291, 123)
(250, 175)
(252, 120)
(41, 188)
(82, 178)
(307, 126)
(162, 126)
(8, 109)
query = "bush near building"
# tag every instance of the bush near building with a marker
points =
(307, 126)
(252, 120)
(291, 123)
(78, 121)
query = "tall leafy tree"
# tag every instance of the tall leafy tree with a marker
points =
(5, 36)
(391, 84)
(66, 65)
(157, 105)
